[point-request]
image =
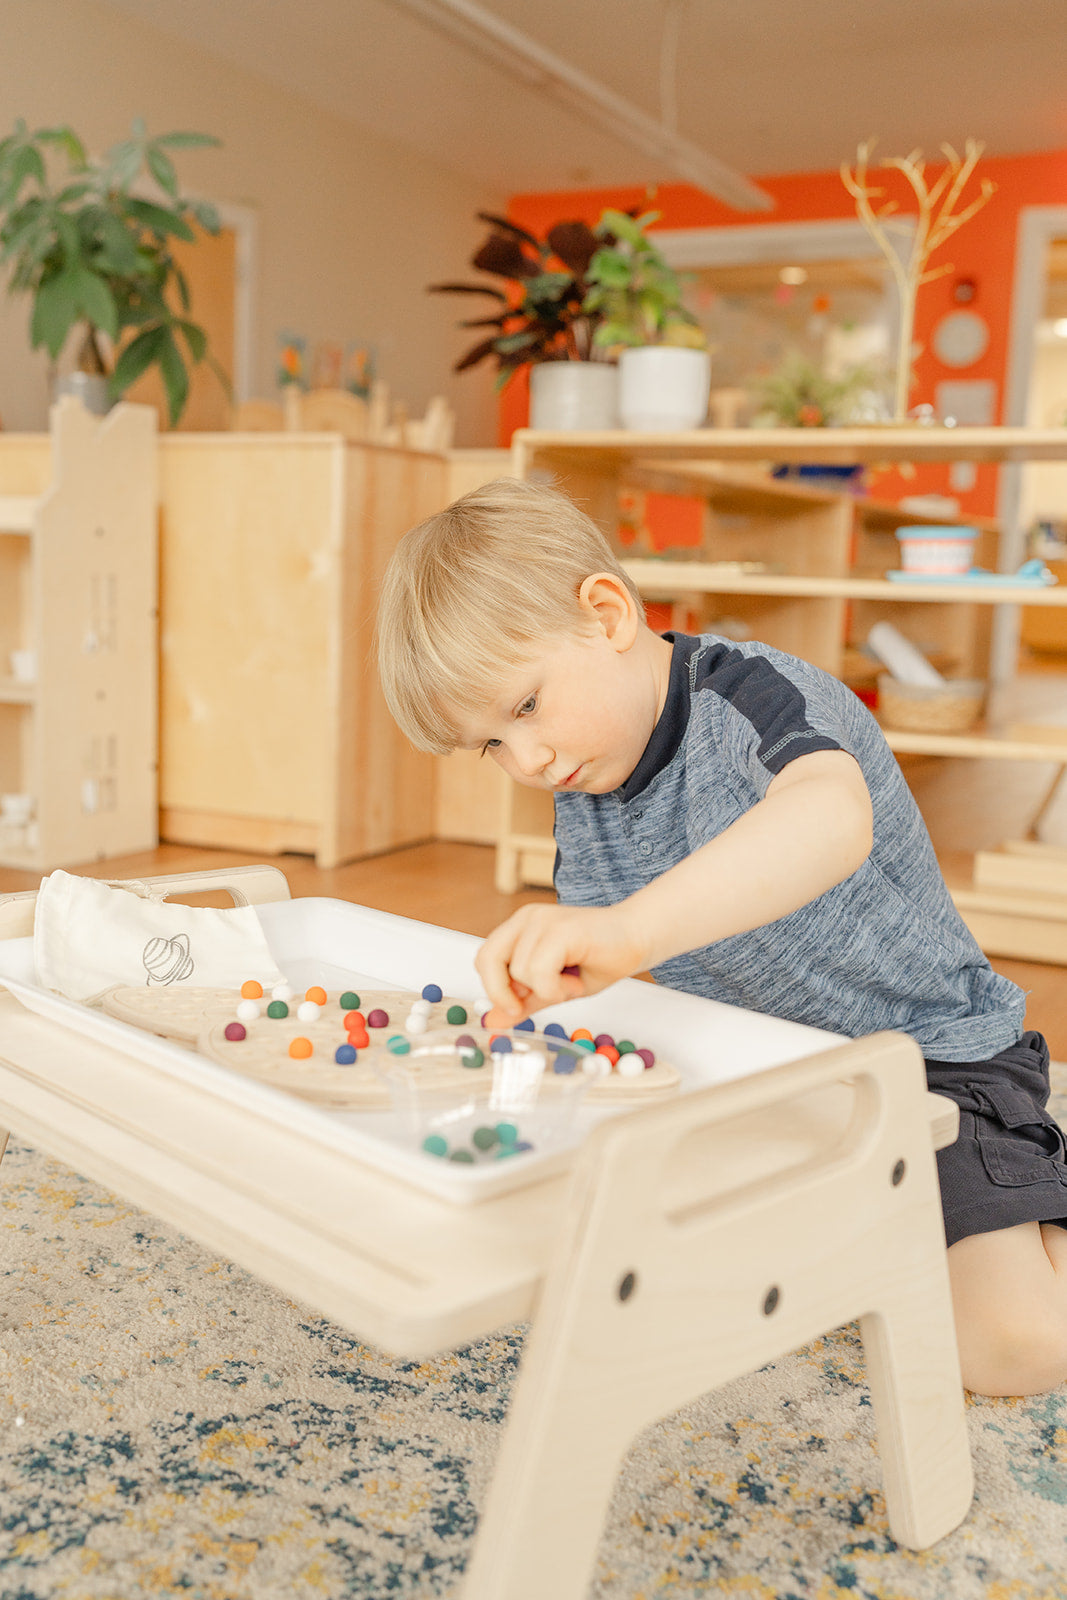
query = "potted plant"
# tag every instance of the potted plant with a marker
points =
(96, 257)
(541, 321)
(800, 394)
(664, 365)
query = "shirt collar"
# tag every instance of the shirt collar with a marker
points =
(671, 725)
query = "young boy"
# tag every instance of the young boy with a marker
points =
(732, 819)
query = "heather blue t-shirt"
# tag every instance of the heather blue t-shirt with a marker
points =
(884, 949)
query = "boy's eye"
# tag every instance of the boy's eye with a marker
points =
(490, 744)
(528, 707)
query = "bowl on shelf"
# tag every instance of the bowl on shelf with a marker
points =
(481, 1097)
(952, 706)
(940, 550)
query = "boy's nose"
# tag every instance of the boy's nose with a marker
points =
(531, 756)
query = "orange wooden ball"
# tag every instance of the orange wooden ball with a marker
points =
(316, 994)
(581, 1033)
(610, 1051)
(251, 990)
(352, 1021)
(300, 1049)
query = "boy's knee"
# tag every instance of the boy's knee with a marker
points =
(1014, 1349)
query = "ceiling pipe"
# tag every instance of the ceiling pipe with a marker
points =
(522, 58)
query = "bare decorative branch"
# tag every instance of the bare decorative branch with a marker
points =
(937, 221)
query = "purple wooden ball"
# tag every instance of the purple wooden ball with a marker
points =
(377, 1019)
(647, 1057)
(235, 1030)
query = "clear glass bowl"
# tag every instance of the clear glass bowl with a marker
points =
(503, 1095)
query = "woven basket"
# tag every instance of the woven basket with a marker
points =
(951, 707)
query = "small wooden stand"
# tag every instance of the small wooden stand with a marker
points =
(78, 639)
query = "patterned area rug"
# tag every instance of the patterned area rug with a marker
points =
(171, 1427)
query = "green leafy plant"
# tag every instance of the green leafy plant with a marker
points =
(799, 394)
(544, 317)
(634, 292)
(97, 257)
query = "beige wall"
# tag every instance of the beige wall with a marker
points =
(350, 227)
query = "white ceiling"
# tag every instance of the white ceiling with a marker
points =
(766, 86)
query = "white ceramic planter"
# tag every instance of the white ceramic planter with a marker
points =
(574, 395)
(663, 388)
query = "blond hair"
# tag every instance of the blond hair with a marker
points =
(475, 590)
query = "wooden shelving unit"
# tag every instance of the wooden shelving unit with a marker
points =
(823, 585)
(78, 611)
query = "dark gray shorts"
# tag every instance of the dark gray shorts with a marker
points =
(1009, 1164)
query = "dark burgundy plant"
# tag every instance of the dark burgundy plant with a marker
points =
(542, 318)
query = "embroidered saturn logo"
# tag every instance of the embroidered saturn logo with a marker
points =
(168, 960)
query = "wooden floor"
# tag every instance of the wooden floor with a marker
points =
(968, 805)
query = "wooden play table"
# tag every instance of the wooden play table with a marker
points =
(790, 1187)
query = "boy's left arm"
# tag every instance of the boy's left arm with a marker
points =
(811, 830)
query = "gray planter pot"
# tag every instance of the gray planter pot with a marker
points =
(89, 388)
(573, 396)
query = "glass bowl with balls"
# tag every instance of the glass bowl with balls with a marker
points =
(483, 1097)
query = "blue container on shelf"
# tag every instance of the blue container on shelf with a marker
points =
(817, 472)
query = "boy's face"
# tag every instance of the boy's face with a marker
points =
(577, 716)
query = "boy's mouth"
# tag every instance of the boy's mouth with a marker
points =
(566, 782)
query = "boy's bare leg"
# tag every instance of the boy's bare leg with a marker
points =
(1009, 1292)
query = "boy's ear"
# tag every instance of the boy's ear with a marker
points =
(606, 602)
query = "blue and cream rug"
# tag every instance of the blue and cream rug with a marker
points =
(171, 1427)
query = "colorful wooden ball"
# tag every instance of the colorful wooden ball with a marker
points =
(485, 1138)
(344, 1055)
(353, 1019)
(630, 1065)
(282, 991)
(251, 990)
(433, 993)
(596, 1065)
(308, 1010)
(456, 1016)
(277, 1008)
(610, 1051)
(507, 1132)
(234, 1030)
(500, 1045)
(647, 1057)
(464, 1157)
(434, 1145)
(527, 1025)
(555, 1030)
(471, 1056)
(300, 1048)
(398, 1045)
(603, 1039)
(377, 1018)
(248, 1010)
(350, 1001)
(316, 993)
(581, 1033)
(625, 1047)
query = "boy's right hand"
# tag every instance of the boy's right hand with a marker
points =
(524, 963)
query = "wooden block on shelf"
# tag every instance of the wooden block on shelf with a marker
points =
(1021, 872)
(1024, 927)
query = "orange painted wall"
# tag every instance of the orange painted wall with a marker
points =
(983, 249)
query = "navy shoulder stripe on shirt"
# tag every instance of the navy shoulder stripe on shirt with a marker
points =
(766, 698)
